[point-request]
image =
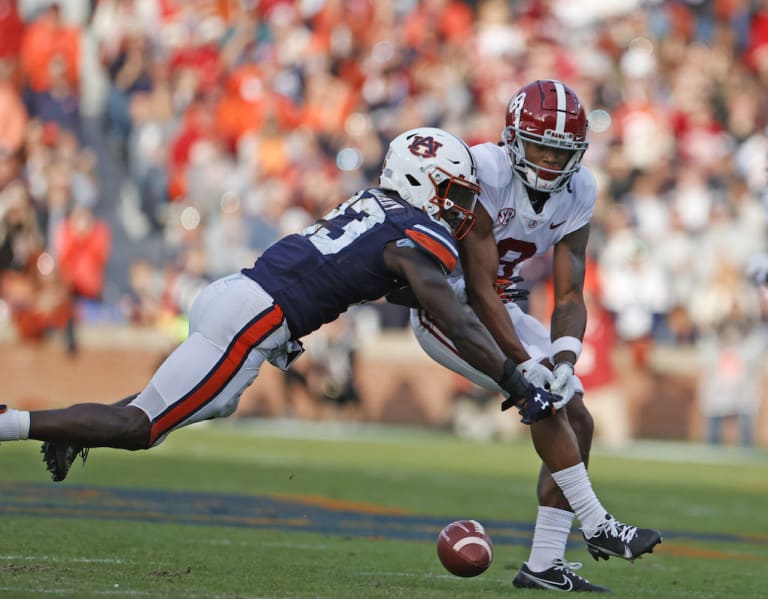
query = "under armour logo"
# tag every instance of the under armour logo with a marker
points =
(426, 147)
(539, 400)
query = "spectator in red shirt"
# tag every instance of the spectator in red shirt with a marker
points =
(45, 38)
(13, 30)
(83, 244)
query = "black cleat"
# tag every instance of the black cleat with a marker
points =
(58, 458)
(613, 538)
(560, 577)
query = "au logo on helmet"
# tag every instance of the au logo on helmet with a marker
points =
(426, 147)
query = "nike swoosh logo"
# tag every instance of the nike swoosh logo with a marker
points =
(628, 552)
(565, 584)
(555, 226)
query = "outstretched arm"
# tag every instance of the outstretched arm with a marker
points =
(432, 291)
(480, 261)
(472, 340)
(403, 297)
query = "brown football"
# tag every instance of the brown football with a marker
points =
(464, 548)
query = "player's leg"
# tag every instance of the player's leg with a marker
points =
(440, 348)
(556, 444)
(234, 325)
(187, 387)
(59, 457)
(560, 448)
(92, 425)
(555, 516)
(203, 378)
(554, 520)
(183, 389)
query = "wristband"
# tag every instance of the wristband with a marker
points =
(571, 344)
(513, 382)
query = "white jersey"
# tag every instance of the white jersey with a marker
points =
(520, 233)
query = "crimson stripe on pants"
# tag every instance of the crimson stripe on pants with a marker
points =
(431, 327)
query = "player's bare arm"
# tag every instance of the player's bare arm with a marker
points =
(403, 297)
(432, 291)
(480, 261)
(467, 333)
(569, 317)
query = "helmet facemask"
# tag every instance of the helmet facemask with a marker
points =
(536, 176)
(453, 201)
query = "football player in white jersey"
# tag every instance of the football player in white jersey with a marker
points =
(534, 196)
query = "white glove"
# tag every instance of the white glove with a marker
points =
(536, 373)
(563, 383)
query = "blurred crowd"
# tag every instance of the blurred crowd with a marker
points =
(235, 122)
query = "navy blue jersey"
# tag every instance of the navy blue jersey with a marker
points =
(317, 274)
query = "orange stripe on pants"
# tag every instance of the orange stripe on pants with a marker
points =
(214, 382)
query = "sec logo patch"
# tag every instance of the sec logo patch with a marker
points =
(505, 215)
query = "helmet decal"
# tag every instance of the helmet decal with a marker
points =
(426, 147)
(516, 107)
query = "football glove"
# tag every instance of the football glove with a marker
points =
(538, 404)
(508, 291)
(535, 373)
(562, 384)
(532, 402)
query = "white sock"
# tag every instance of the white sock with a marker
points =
(14, 425)
(549, 537)
(575, 485)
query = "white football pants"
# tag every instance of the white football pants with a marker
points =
(234, 325)
(532, 334)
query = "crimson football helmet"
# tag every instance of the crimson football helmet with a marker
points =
(435, 171)
(548, 113)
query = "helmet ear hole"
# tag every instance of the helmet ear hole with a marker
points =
(412, 180)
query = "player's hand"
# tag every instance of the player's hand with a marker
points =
(563, 384)
(508, 291)
(536, 373)
(538, 404)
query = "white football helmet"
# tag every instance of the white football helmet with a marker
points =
(435, 171)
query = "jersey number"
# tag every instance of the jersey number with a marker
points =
(511, 253)
(345, 223)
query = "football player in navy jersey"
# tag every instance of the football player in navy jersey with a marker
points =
(401, 234)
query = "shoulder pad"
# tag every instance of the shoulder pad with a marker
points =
(436, 243)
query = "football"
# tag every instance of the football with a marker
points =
(464, 548)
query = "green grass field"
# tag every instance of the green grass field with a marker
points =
(273, 509)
